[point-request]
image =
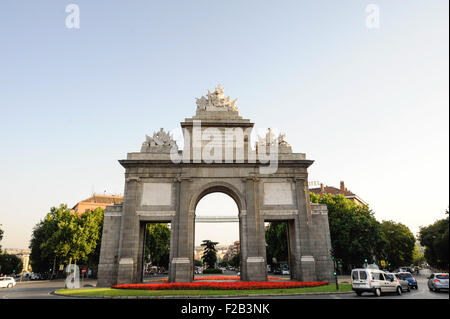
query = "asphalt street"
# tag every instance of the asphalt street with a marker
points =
(36, 289)
(43, 290)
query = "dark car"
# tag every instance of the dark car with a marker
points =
(409, 277)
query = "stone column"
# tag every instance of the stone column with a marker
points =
(129, 235)
(243, 243)
(306, 271)
(294, 248)
(255, 263)
(182, 237)
(109, 259)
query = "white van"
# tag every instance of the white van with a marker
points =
(374, 281)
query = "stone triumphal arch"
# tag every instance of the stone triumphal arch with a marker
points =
(164, 184)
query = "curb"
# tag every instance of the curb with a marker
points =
(201, 297)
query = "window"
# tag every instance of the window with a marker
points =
(381, 277)
(362, 275)
(355, 275)
(442, 276)
(375, 276)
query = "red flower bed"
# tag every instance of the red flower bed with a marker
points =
(231, 278)
(219, 278)
(236, 285)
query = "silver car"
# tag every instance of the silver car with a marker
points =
(438, 281)
(403, 282)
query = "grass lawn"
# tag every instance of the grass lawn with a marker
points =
(135, 292)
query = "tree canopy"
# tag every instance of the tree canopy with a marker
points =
(10, 264)
(400, 244)
(157, 244)
(1, 237)
(355, 233)
(435, 239)
(63, 236)
(277, 245)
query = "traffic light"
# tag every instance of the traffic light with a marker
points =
(14, 270)
(365, 260)
(332, 258)
(339, 261)
(50, 269)
(334, 273)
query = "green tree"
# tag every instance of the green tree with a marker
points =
(276, 240)
(355, 233)
(235, 261)
(63, 237)
(435, 239)
(157, 244)
(94, 257)
(41, 260)
(209, 253)
(1, 237)
(10, 264)
(418, 257)
(400, 244)
(76, 236)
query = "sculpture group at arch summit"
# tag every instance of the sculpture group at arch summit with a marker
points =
(164, 184)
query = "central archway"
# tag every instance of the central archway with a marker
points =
(215, 205)
(217, 220)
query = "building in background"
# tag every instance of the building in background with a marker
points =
(232, 250)
(97, 201)
(342, 190)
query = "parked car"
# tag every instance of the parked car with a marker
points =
(35, 276)
(410, 278)
(374, 281)
(403, 282)
(438, 281)
(7, 282)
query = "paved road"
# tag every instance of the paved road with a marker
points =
(42, 290)
(422, 293)
(35, 289)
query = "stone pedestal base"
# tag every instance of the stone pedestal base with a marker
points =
(308, 268)
(256, 269)
(107, 275)
(180, 270)
(125, 271)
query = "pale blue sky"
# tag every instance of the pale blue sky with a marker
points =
(370, 106)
